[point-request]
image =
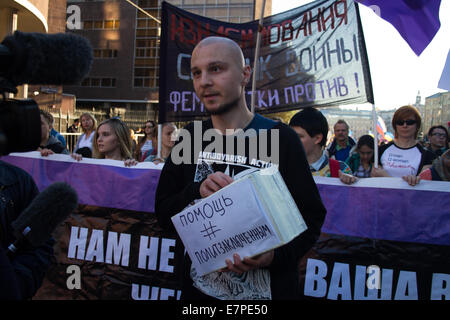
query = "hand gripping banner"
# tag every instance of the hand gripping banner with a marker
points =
(312, 55)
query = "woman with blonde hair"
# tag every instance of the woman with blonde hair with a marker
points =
(88, 125)
(112, 141)
(404, 157)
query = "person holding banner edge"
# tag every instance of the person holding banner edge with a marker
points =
(112, 141)
(219, 77)
(404, 157)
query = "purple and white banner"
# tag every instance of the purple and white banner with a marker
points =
(99, 182)
(388, 209)
(111, 247)
(381, 240)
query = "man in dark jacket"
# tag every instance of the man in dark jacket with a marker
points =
(22, 273)
(342, 143)
(220, 76)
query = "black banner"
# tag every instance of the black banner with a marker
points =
(353, 268)
(112, 254)
(312, 55)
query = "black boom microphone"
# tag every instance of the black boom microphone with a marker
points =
(37, 58)
(50, 208)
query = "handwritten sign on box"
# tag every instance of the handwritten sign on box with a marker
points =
(240, 218)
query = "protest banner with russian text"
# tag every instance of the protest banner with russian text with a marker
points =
(381, 240)
(312, 55)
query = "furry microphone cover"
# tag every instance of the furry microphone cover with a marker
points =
(37, 58)
(50, 208)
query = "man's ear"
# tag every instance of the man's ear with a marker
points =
(318, 138)
(247, 73)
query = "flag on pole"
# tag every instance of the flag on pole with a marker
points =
(444, 83)
(417, 21)
(381, 127)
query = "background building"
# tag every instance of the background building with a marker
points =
(124, 79)
(437, 110)
(359, 121)
(27, 16)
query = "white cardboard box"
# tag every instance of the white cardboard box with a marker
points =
(250, 216)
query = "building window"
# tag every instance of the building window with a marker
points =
(105, 53)
(71, 1)
(148, 3)
(146, 56)
(146, 76)
(95, 82)
(101, 24)
(99, 82)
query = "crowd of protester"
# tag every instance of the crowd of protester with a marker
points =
(111, 139)
(345, 157)
(405, 156)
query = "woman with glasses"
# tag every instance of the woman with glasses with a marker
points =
(145, 143)
(404, 157)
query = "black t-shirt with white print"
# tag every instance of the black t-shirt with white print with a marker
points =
(179, 186)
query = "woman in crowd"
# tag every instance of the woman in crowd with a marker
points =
(111, 141)
(361, 161)
(440, 169)
(404, 156)
(167, 143)
(84, 143)
(146, 142)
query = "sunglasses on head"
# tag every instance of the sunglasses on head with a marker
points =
(408, 122)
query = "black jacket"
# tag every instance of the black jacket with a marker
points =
(22, 275)
(332, 148)
(55, 145)
(179, 185)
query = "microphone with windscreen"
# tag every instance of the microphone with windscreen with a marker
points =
(50, 208)
(38, 58)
